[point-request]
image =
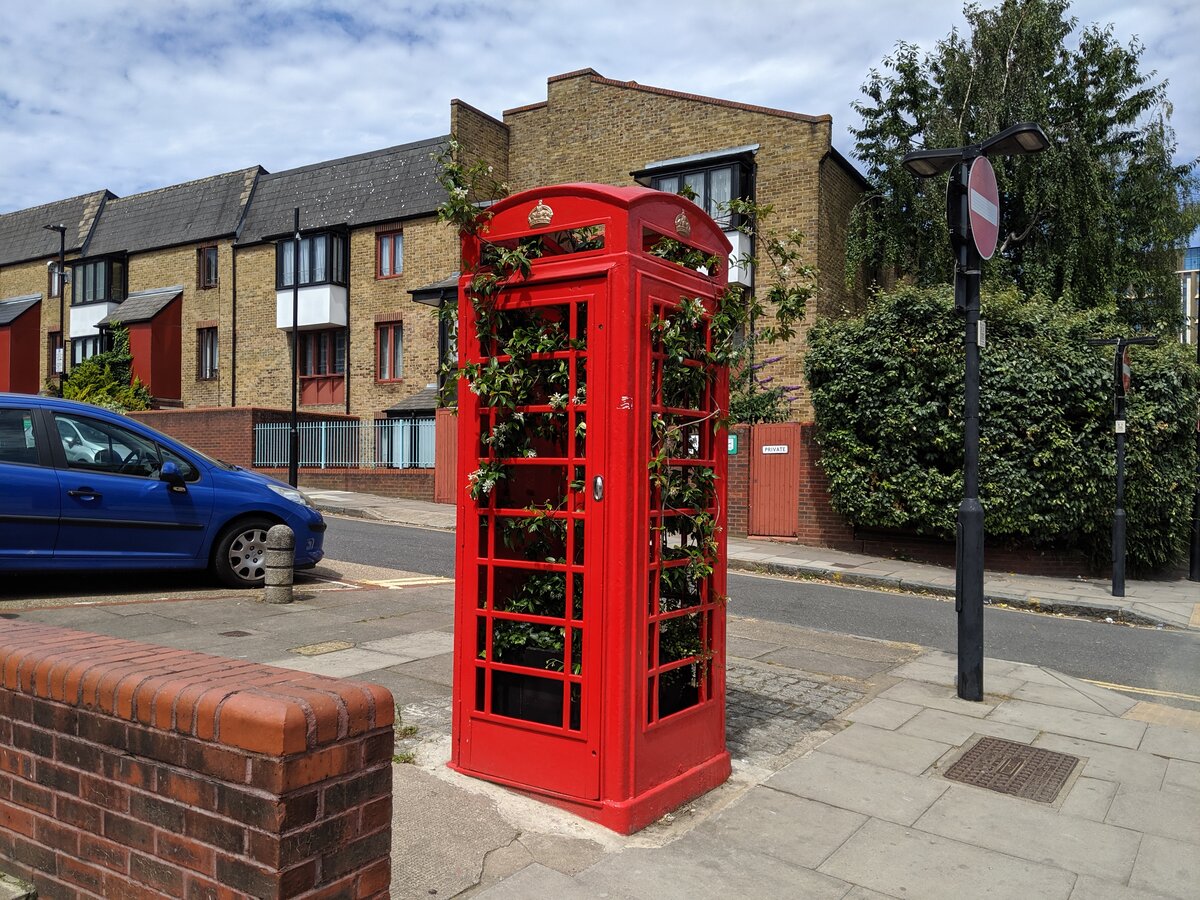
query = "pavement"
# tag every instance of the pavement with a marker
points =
(1172, 603)
(842, 748)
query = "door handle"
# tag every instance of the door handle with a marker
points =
(598, 488)
(86, 493)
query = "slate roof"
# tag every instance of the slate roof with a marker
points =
(433, 294)
(22, 237)
(384, 185)
(179, 214)
(142, 306)
(424, 400)
(11, 308)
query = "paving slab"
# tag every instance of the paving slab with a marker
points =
(1178, 743)
(886, 748)
(341, 663)
(1182, 775)
(1161, 714)
(1089, 798)
(859, 787)
(1059, 695)
(1089, 888)
(883, 713)
(1171, 814)
(417, 645)
(957, 729)
(697, 867)
(536, 880)
(825, 663)
(1031, 831)
(937, 696)
(438, 669)
(798, 831)
(906, 862)
(1110, 763)
(1104, 729)
(1167, 866)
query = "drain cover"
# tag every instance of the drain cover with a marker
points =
(1011, 768)
(235, 634)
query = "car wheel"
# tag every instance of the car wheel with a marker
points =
(240, 559)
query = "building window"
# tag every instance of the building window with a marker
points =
(389, 341)
(86, 347)
(98, 281)
(323, 352)
(711, 188)
(206, 267)
(54, 353)
(206, 353)
(54, 280)
(322, 261)
(389, 254)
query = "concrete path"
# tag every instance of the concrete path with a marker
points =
(840, 786)
(1173, 603)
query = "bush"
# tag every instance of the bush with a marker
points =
(106, 379)
(888, 395)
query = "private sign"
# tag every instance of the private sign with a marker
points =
(984, 206)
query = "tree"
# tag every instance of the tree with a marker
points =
(107, 379)
(1096, 220)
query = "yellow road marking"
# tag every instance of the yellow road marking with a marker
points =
(1174, 695)
(396, 584)
(1195, 621)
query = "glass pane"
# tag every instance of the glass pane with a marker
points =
(385, 371)
(320, 245)
(670, 185)
(16, 436)
(720, 185)
(397, 352)
(322, 354)
(385, 256)
(305, 261)
(100, 273)
(398, 254)
(339, 355)
(286, 251)
(695, 181)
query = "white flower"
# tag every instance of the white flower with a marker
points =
(558, 401)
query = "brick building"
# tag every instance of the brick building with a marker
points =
(203, 273)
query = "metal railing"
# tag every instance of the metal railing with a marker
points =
(404, 443)
(396, 444)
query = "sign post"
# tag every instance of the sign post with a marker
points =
(973, 214)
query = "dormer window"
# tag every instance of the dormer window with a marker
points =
(322, 261)
(712, 180)
(98, 281)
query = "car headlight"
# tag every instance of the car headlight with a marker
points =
(291, 493)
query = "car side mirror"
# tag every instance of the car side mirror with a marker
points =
(171, 475)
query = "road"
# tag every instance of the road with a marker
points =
(1152, 659)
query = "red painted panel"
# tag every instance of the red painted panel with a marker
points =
(20, 343)
(775, 479)
(445, 443)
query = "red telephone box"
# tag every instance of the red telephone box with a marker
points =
(590, 615)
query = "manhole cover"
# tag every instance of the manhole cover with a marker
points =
(235, 634)
(1011, 768)
(323, 647)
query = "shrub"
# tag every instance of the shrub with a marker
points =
(888, 396)
(107, 380)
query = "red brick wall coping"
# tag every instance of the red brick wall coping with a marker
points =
(135, 771)
(248, 706)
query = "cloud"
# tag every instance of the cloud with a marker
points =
(131, 95)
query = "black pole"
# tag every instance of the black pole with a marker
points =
(1118, 531)
(968, 582)
(294, 450)
(62, 293)
(1194, 570)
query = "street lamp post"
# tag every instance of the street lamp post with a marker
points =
(1120, 389)
(967, 205)
(61, 280)
(294, 432)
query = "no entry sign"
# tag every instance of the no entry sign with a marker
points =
(984, 206)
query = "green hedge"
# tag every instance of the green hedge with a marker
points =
(887, 390)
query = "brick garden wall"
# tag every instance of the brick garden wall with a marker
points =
(129, 770)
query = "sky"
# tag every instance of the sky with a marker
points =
(131, 95)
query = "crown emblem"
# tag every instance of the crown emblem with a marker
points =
(682, 226)
(540, 215)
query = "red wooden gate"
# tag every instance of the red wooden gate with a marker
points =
(775, 480)
(445, 465)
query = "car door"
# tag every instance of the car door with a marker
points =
(29, 493)
(114, 507)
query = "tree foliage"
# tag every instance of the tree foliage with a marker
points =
(1095, 220)
(887, 391)
(107, 379)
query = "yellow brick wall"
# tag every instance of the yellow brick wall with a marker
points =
(481, 138)
(177, 265)
(264, 351)
(589, 130)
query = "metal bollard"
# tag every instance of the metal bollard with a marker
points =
(281, 557)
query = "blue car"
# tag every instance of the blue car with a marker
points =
(85, 488)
